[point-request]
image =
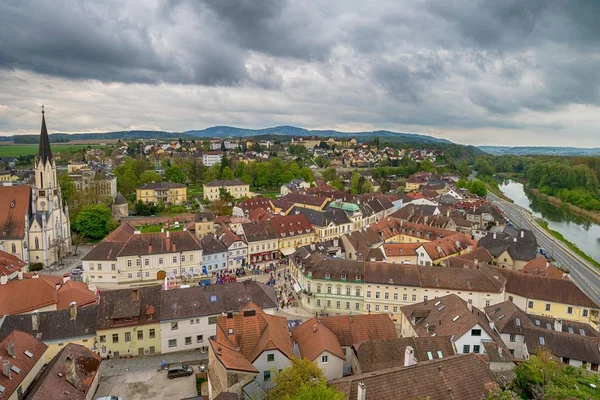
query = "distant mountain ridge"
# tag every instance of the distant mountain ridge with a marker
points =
(236, 133)
(541, 150)
(233, 132)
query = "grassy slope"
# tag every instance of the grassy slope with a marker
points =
(16, 150)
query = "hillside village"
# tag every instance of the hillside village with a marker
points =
(384, 267)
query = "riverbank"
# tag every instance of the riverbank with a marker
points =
(570, 245)
(592, 216)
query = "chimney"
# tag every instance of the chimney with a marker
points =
(470, 305)
(35, 320)
(20, 274)
(135, 295)
(409, 357)
(476, 260)
(35, 275)
(174, 246)
(10, 349)
(6, 369)
(558, 325)
(491, 323)
(362, 392)
(448, 213)
(73, 311)
(70, 371)
(315, 328)
(515, 239)
(149, 248)
(167, 233)
(494, 235)
(522, 233)
(3, 279)
(57, 285)
(66, 277)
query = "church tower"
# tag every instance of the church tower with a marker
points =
(46, 181)
(50, 229)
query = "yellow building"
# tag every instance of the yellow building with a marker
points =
(8, 176)
(57, 328)
(292, 231)
(128, 322)
(204, 223)
(235, 188)
(162, 192)
(77, 166)
(340, 287)
(550, 297)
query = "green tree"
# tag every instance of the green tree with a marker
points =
(319, 391)
(174, 174)
(322, 162)
(227, 173)
(461, 183)
(330, 174)
(303, 379)
(67, 188)
(225, 195)
(206, 145)
(483, 167)
(149, 176)
(127, 182)
(355, 183)
(94, 221)
(477, 187)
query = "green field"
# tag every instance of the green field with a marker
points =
(16, 150)
(156, 228)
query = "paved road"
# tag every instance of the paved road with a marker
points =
(585, 275)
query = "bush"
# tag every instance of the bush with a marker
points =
(36, 266)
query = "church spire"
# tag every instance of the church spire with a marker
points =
(44, 150)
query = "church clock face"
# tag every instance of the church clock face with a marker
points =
(43, 203)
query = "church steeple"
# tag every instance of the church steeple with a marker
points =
(44, 151)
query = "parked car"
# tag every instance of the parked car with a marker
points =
(79, 267)
(177, 370)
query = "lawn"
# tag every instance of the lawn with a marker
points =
(16, 150)
(156, 228)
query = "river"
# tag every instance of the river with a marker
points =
(583, 233)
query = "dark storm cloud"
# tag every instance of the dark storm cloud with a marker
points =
(432, 63)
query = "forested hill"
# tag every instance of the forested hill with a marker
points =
(547, 150)
(229, 131)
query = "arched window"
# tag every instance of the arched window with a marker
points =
(14, 248)
(37, 243)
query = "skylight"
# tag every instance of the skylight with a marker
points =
(537, 322)
(441, 308)
(28, 354)
(429, 355)
(518, 321)
(15, 369)
(581, 332)
(455, 318)
(439, 353)
(213, 298)
(437, 303)
(542, 341)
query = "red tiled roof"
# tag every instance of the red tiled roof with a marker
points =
(314, 338)
(291, 225)
(15, 203)
(22, 342)
(10, 264)
(353, 330)
(254, 333)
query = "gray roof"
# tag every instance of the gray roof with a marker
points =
(519, 248)
(53, 325)
(142, 302)
(225, 182)
(212, 245)
(119, 199)
(215, 299)
(322, 218)
(162, 185)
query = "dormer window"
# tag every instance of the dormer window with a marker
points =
(327, 275)
(343, 277)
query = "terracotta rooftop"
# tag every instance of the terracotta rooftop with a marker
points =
(291, 225)
(24, 345)
(464, 377)
(56, 382)
(376, 355)
(355, 329)
(314, 338)
(36, 293)
(15, 204)
(543, 288)
(254, 331)
(10, 264)
(230, 357)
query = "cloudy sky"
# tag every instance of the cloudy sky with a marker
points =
(506, 72)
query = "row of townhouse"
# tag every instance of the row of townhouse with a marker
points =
(337, 286)
(149, 320)
(128, 256)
